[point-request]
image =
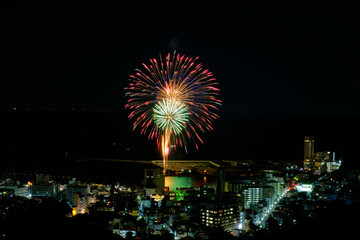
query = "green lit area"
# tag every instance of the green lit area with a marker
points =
(175, 182)
(180, 195)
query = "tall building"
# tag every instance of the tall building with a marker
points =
(309, 152)
(252, 195)
(220, 181)
(155, 178)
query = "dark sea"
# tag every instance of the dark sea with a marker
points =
(53, 141)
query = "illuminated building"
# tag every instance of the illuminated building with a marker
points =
(80, 203)
(14, 191)
(219, 214)
(278, 187)
(242, 221)
(318, 162)
(333, 165)
(252, 195)
(237, 186)
(44, 188)
(155, 178)
(304, 187)
(309, 152)
(79, 190)
(325, 161)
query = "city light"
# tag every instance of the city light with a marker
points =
(304, 187)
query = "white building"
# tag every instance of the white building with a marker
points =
(252, 195)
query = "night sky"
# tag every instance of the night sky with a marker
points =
(285, 71)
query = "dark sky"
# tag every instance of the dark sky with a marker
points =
(272, 60)
(268, 59)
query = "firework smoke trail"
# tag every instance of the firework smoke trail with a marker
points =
(172, 100)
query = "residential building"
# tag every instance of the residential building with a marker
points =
(219, 214)
(252, 195)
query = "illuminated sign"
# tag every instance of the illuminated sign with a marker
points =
(304, 187)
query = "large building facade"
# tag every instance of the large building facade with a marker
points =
(252, 195)
(216, 215)
(155, 178)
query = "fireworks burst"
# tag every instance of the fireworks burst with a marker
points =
(171, 114)
(172, 100)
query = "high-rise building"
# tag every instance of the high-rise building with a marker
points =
(155, 178)
(252, 195)
(220, 181)
(309, 152)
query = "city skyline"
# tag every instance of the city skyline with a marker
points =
(254, 136)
